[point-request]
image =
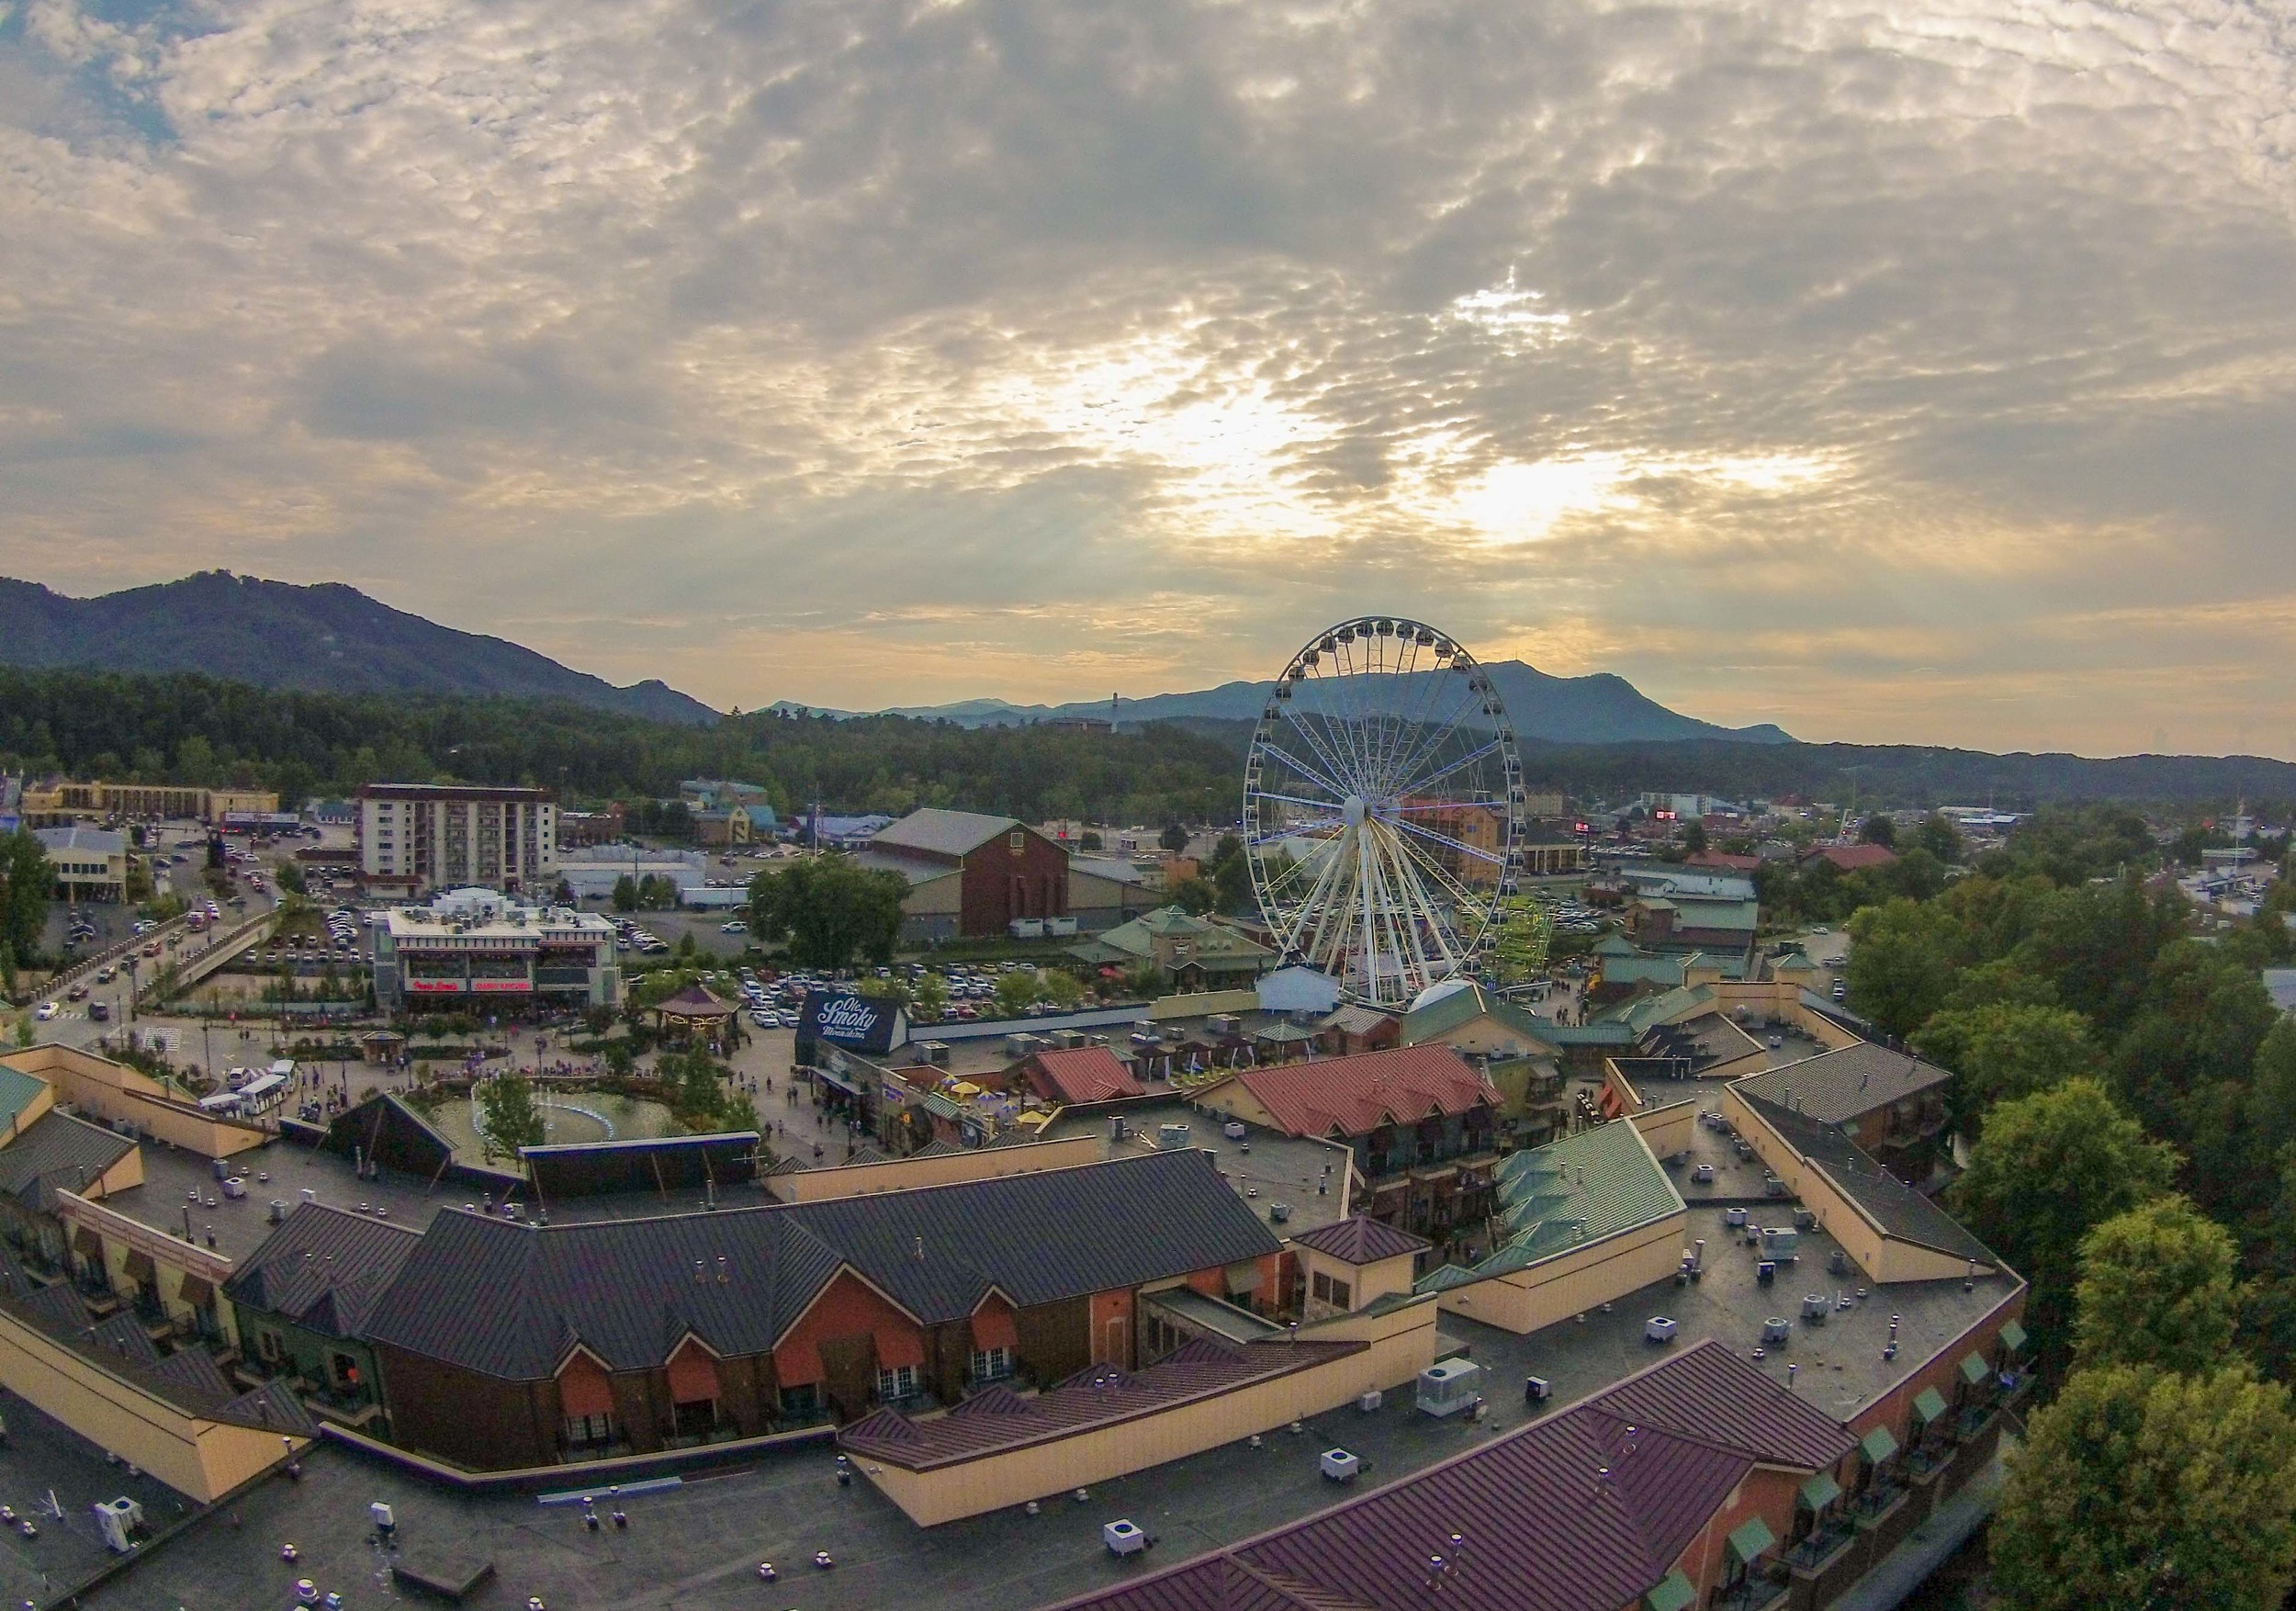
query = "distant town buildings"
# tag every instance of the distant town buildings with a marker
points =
(50, 802)
(88, 863)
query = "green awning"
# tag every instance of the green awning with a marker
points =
(1878, 1445)
(1751, 1540)
(1928, 1405)
(2014, 1337)
(1673, 1595)
(1820, 1491)
(1973, 1370)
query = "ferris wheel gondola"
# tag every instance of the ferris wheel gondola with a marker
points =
(1383, 809)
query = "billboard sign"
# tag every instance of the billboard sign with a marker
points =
(846, 1018)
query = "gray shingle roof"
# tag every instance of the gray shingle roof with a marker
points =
(1902, 1212)
(1839, 1086)
(509, 1299)
(325, 1268)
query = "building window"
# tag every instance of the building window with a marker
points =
(1018, 840)
(1338, 1294)
(589, 1431)
(801, 1401)
(991, 1364)
(896, 1382)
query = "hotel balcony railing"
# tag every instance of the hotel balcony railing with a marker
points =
(1756, 1591)
(1833, 1533)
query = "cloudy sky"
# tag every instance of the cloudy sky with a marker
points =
(1924, 373)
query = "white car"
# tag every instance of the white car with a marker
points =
(735, 926)
(764, 1020)
(47, 1010)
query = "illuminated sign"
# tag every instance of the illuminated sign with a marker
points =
(434, 986)
(498, 985)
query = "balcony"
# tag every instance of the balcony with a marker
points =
(1758, 1591)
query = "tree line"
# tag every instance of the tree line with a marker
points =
(2128, 1091)
(198, 731)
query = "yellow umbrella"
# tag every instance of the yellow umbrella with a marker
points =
(965, 1089)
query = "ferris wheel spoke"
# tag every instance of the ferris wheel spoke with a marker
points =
(1401, 850)
(1339, 728)
(1419, 784)
(1268, 748)
(1317, 740)
(1330, 807)
(1430, 695)
(1463, 899)
(1427, 749)
(1446, 841)
(1417, 910)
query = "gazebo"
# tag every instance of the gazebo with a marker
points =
(696, 1013)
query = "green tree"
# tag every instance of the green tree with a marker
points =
(1938, 836)
(1193, 896)
(1878, 829)
(509, 1116)
(2001, 1052)
(1903, 958)
(1017, 992)
(2142, 1491)
(2158, 1289)
(930, 997)
(2049, 1168)
(2272, 1093)
(625, 894)
(1175, 837)
(1694, 836)
(1062, 988)
(1231, 874)
(25, 887)
(892, 990)
(291, 877)
(829, 911)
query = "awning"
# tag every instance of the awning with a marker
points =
(138, 1266)
(1820, 1491)
(899, 1345)
(1973, 1370)
(1751, 1539)
(583, 1388)
(1673, 1595)
(1928, 1405)
(693, 1376)
(993, 1327)
(849, 1084)
(798, 1364)
(2014, 1337)
(1244, 1276)
(1878, 1445)
(86, 1242)
(195, 1291)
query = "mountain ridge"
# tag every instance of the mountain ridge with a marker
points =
(325, 638)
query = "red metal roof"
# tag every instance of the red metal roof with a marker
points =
(1356, 1095)
(1362, 1240)
(1583, 1511)
(1089, 1074)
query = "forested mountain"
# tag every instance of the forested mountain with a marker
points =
(330, 639)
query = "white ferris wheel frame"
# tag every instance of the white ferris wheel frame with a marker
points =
(1370, 903)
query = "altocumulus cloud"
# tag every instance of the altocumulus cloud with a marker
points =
(1923, 373)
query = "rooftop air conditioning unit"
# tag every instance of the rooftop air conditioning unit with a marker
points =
(1776, 1331)
(936, 1053)
(1171, 1138)
(1815, 1307)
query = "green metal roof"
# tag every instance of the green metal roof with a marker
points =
(2014, 1337)
(1820, 1491)
(1673, 1595)
(1751, 1539)
(16, 1091)
(1568, 1193)
(1878, 1445)
(1461, 1008)
(1973, 1370)
(1928, 1405)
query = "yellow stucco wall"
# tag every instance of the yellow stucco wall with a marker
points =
(1198, 1003)
(103, 1091)
(171, 1258)
(1667, 1130)
(1556, 1289)
(1884, 1260)
(1401, 1345)
(906, 1174)
(191, 1455)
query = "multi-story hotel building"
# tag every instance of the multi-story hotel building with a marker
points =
(434, 836)
(471, 946)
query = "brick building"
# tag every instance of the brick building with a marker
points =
(969, 875)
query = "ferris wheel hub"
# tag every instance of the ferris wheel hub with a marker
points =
(1353, 809)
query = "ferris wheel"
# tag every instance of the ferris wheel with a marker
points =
(1383, 807)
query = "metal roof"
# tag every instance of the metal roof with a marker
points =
(1356, 1095)
(1901, 1213)
(56, 1151)
(944, 833)
(1556, 1199)
(1087, 1074)
(1362, 1240)
(1846, 1085)
(509, 1300)
(1583, 1511)
(324, 1269)
(910, 867)
(101, 842)
(1459, 1007)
